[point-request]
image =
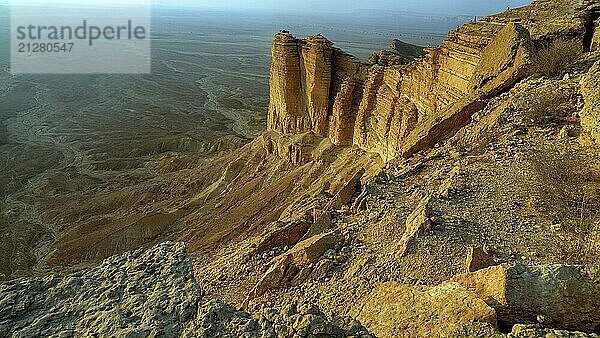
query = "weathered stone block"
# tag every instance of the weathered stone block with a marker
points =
(397, 310)
(567, 297)
(506, 60)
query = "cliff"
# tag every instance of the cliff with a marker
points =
(492, 230)
(403, 109)
(304, 74)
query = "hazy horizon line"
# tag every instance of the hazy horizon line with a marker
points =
(251, 9)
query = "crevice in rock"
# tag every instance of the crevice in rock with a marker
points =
(589, 31)
(332, 89)
(504, 327)
(500, 92)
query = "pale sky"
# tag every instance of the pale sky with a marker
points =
(452, 7)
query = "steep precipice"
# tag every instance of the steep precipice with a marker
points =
(304, 74)
(402, 109)
(302, 216)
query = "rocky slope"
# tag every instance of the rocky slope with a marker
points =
(316, 87)
(484, 158)
(148, 293)
(453, 196)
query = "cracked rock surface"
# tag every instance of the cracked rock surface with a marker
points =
(149, 293)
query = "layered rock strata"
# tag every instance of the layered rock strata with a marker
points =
(403, 109)
(304, 73)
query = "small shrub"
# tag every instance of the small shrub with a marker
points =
(556, 56)
(547, 105)
(567, 191)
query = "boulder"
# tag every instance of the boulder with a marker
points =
(416, 224)
(398, 310)
(506, 60)
(345, 194)
(321, 224)
(562, 296)
(286, 266)
(590, 116)
(286, 235)
(310, 250)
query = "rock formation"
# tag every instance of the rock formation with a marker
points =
(395, 310)
(218, 319)
(403, 109)
(478, 259)
(567, 297)
(287, 266)
(149, 293)
(504, 61)
(304, 74)
(136, 294)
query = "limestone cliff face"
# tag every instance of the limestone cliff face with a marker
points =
(317, 59)
(317, 88)
(303, 74)
(402, 109)
(287, 111)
